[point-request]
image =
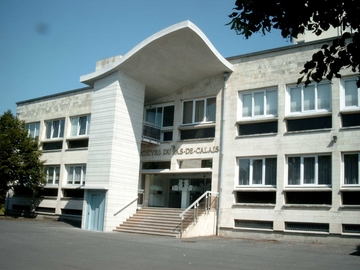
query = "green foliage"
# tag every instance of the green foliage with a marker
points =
(294, 18)
(20, 164)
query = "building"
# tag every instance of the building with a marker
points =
(173, 119)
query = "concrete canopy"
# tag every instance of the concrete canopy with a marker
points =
(167, 61)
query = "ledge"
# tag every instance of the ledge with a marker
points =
(252, 188)
(253, 205)
(306, 115)
(349, 207)
(197, 126)
(309, 188)
(308, 206)
(308, 131)
(257, 120)
(350, 188)
(257, 135)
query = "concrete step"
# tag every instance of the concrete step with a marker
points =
(157, 221)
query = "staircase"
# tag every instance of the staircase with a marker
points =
(156, 221)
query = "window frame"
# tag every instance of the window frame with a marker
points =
(251, 172)
(163, 129)
(194, 111)
(316, 170)
(343, 97)
(315, 100)
(78, 125)
(358, 170)
(70, 169)
(61, 128)
(55, 172)
(241, 95)
(36, 129)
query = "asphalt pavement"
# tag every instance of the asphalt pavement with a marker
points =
(48, 244)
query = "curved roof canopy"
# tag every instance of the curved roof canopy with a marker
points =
(167, 61)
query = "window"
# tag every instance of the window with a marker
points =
(309, 170)
(52, 175)
(255, 197)
(313, 98)
(259, 103)
(198, 133)
(257, 171)
(80, 125)
(158, 122)
(33, 129)
(258, 128)
(313, 123)
(76, 174)
(195, 163)
(351, 169)
(55, 129)
(199, 111)
(350, 93)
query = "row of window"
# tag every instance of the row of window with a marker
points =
(80, 126)
(258, 104)
(301, 99)
(314, 170)
(75, 174)
(294, 226)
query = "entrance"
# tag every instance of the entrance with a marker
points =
(179, 192)
(95, 210)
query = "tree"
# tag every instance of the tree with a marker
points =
(20, 164)
(296, 17)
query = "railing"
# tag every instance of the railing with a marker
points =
(151, 132)
(126, 206)
(206, 201)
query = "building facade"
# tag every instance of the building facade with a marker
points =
(173, 119)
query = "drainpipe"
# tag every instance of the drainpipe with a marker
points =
(221, 156)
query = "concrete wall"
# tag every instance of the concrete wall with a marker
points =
(114, 149)
(278, 69)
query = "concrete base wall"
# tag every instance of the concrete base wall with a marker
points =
(291, 237)
(205, 226)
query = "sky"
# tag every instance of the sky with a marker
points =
(45, 45)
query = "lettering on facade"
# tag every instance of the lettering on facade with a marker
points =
(181, 151)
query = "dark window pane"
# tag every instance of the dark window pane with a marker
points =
(270, 171)
(294, 170)
(351, 197)
(351, 169)
(257, 172)
(168, 135)
(52, 146)
(324, 167)
(309, 170)
(308, 197)
(79, 143)
(256, 197)
(155, 165)
(350, 120)
(258, 128)
(309, 123)
(168, 120)
(244, 173)
(198, 133)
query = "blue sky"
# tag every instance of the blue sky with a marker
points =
(45, 46)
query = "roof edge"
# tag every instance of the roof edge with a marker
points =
(91, 77)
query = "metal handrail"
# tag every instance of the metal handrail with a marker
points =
(197, 202)
(196, 205)
(130, 203)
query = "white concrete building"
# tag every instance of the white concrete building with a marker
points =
(172, 119)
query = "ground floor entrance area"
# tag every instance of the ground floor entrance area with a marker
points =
(174, 190)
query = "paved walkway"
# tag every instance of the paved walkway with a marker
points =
(34, 244)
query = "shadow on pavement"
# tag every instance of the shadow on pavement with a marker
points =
(356, 251)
